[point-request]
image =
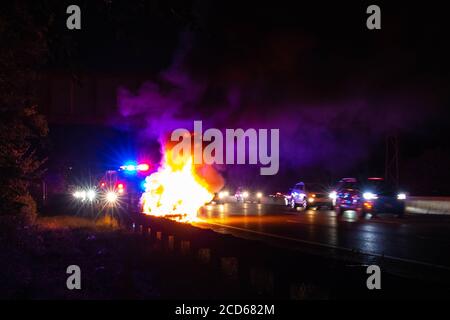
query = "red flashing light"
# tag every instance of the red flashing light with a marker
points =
(143, 167)
(102, 184)
(375, 178)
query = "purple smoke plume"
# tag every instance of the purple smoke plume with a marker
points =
(330, 124)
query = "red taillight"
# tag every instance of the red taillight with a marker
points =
(120, 186)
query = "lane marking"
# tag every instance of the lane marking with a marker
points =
(330, 246)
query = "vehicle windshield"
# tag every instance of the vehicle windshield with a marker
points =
(348, 185)
(317, 188)
(378, 186)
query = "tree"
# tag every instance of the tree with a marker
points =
(22, 128)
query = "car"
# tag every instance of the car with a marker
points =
(371, 195)
(297, 197)
(309, 195)
(279, 196)
(243, 195)
(124, 186)
(318, 196)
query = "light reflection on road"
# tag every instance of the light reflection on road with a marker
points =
(397, 237)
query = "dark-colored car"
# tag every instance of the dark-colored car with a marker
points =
(242, 195)
(318, 196)
(372, 195)
(309, 195)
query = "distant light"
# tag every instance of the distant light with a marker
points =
(91, 194)
(333, 195)
(120, 186)
(401, 196)
(103, 184)
(143, 167)
(369, 196)
(259, 195)
(130, 167)
(223, 194)
(245, 194)
(310, 199)
(111, 197)
(77, 194)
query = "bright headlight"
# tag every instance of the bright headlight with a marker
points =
(245, 194)
(310, 199)
(369, 196)
(401, 196)
(90, 194)
(82, 195)
(259, 195)
(332, 195)
(223, 194)
(77, 194)
(111, 197)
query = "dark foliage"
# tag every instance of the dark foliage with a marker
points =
(22, 128)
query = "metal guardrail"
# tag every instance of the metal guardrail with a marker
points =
(428, 205)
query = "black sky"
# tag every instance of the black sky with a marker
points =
(306, 66)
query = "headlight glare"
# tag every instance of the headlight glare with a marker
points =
(401, 196)
(369, 196)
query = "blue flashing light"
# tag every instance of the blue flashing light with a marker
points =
(133, 167)
(129, 167)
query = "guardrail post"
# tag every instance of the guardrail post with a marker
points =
(185, 246)
(171, 243)
(262, 280)
(307, 291)
(230, 267)
(204, 255)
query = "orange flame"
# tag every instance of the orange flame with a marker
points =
(176, 190)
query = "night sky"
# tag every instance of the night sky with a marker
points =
(334, 88)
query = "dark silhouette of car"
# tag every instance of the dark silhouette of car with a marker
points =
(372, 195)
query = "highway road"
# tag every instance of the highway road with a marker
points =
(417, 239)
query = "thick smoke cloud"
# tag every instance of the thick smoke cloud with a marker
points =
(329, 115)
